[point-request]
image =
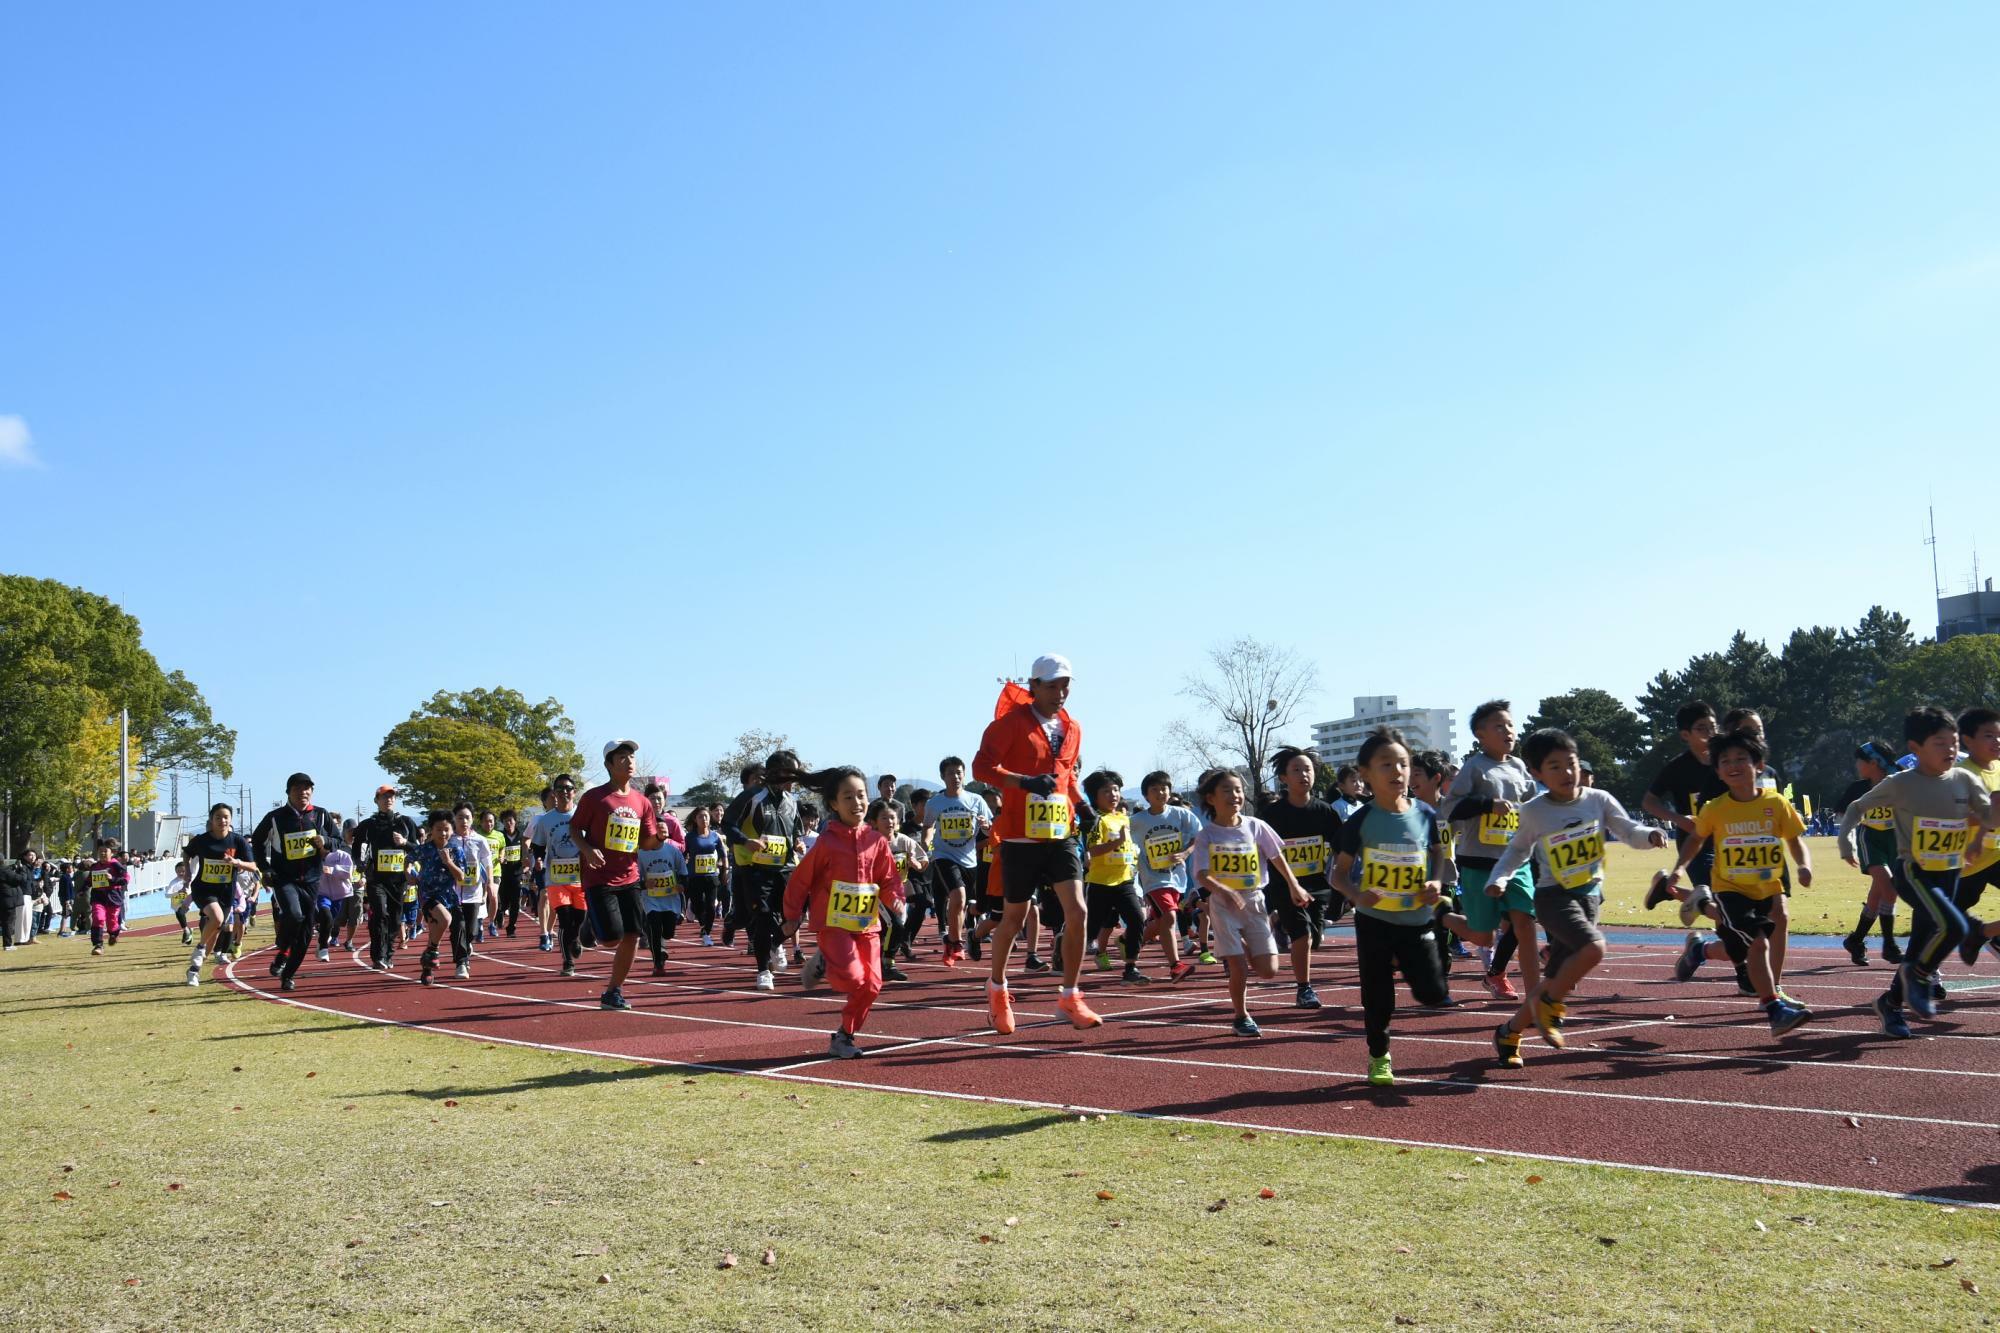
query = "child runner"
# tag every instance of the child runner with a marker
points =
(1749, 827)
(567, 890)
(1431, 772)
(1233, 856)
(215, 856)
(844, 881)
(663, 874)
(1112, 861)
(1936, 804)
(708, 863)
(108, 881)
(916, 880)
(1395, 843)
(1676, 797)
(1979, 733)
(336, 876)
(1165, 833)
(1564, 830)
(472, 854)
(885, 817)
(437, 879)
(956, 819)
(1483, 808)
(1310, 830)
(1877, 855)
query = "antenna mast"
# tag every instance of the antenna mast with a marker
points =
(1937, 588)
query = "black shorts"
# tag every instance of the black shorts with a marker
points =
(614, 912)
(1748, 916)
(1028, 866)
(222, 896)
(949, 876)
(1971, 886)
(1302, 923)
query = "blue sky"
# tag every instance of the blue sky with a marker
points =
(808, 367)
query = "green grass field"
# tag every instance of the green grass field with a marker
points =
(1827, 908)
(200, 1159)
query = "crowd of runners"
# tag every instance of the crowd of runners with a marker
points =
(1435, 859)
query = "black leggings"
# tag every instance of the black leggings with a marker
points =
(701, 893)
(1381, 947)
(510, 901)
(760, 896)
(464, 929)
(385, 921)
(659, 928)
(1113, 903)
(569, 925)
(1936, 923)
(328, 920)
(293, 907)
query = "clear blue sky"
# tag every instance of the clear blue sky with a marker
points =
(1469, 349)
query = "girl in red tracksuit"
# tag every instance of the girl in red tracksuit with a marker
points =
(849, 872)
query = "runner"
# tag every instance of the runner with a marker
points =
(1979, 734)
(1310, 830)
(762, 827)
(612, 825)
(1936, 803)
(916, 881)
(957, 819)
(663, 876)
(511, 839)
(752, 778)
(1483, 810)
(108, 880)
(438, 879)
(708, 870)
(1110, 884)
(561, 869)
(1675, 798)
(215, 856)
(496, 846)
(291, 843)
(910, 860)
(471, 854)
(1877, 855)
(330, 903)
(845, 881)
(1165, 832)
(1032, 746)
(381, 845)
(1232, 857)
(670, 828)
(545, 917)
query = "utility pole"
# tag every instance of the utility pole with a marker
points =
(124, 792)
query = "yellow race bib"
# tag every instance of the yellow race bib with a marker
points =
(565, 871)
(850, 906)
(955, 828)
(621, 832)
(409, 893)
(1306, 856)
(1747, 857)
(1239, 868)
(770, 851)
(1879, 817)
(1498, 830)
(707, 863)
(1574, 855)
(217, 872)
(662, 884)
(1939, 844)
(299, 846)
(1395, 875)
(511, 854)
(1161, 849)
(1048, 818)
(100, 879)
(389, 861)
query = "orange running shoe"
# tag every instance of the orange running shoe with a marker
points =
(1080, 1014)
(1000, 1008)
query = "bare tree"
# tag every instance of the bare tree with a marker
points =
(1251, 694)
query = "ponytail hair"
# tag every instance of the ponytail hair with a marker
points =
(826, 781)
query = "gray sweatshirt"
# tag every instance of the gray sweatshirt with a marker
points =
(1566, 839)
(1944, 804)
(1479, 783)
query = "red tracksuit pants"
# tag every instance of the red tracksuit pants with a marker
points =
(854, 968)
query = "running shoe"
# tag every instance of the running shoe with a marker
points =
(1974, 941)
(1034, 963)
(1000, 1008)
(1690, 912)
(186, 939)
(1133, 976)
(894, 973)
(1307, 998)
(1246, 1026)
(780, 960)
(194, 975)
(1743, 984)
(613, 999)
(1917, 991)
(1498, 986)
(1081, 1015)
(1549, 1015)
(1937, 989)
(1458, 949)
(1104, 963)
(1789, 998)
(1785, 1017)
(1205, 957)
(288, 984)
(708, 941)
(1507, 1044)
(463, 972)
(953, 955)
(814, 971)
(841, 1046)
(547, 945)
(1857, 949)
(277, 964)
(1380, 1075)
(659, 969)
(1485, 956)
(1693, 954)
(1891, 951)
(1892, 1018)
(64, 934)
(325, 956)
(568, 968)
(765, 981)
(1182, 971)
(1659, 892)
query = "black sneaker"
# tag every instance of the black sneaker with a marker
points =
(1743, 986)
(614, 999)
(1307, 998)
(1857, 949)
(277, 965)
(972, 949)
(1974, 941)
(1659, 893)
(1033, 963)
(1891, 951)
(288, 984)
(1133, 975)
(894, 973)
(569, 969)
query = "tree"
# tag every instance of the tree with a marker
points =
(706, 793)
(543, 731)
(439, 760)
(1607, 733)
(1252, 692)
(751, 747)
(1953, 675)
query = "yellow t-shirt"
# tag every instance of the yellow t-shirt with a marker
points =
(1749, 841)
(1989, 849)
(1118, 866)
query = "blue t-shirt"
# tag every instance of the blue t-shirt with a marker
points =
(956, 819)
(433, 876)
(1392, 855)
(1160, 838)
(701, 846)
(662, 874)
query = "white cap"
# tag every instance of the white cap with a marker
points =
(610, 747)
(1052, 667)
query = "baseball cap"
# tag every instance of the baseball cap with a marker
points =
(612, 747)
(1053, 666)
(297, 780)
(385, 789)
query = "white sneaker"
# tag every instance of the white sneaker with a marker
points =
(780, 960)
(325, 956)
(463, 972)
(194, 975)
(764, 981)
(708, 941)
(1485, 958)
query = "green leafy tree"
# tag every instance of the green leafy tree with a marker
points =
(1953, 675)
(1607, 733)
(438, 760)
(750, 747)
(543, 731)
(705, 793)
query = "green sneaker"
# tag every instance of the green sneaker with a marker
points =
(1379, 1073)
(1104, 963)
(1206, 957)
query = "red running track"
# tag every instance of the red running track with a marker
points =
(1657, 1075)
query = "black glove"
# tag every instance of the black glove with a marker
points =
(1040, 784)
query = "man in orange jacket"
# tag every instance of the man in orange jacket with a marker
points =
(1032, 746)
